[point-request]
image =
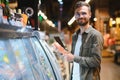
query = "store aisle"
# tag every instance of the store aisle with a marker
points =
(109, 70)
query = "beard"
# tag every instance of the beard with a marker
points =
(82, 23)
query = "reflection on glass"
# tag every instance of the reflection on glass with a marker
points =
(52, 59)
(33, 60)
(43, 60)
(21, 58)
(6, 70)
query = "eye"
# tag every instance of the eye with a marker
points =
(77, 14)
(83, 13)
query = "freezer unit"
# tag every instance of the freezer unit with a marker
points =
(24, 56)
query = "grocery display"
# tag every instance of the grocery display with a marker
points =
(24, 56)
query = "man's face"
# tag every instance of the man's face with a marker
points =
(82, 15)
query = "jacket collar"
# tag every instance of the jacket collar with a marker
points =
(89, 29)
(86, 31)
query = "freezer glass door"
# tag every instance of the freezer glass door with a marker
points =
(36, 67)
(22, 59)
(8, 67)
(43, 59)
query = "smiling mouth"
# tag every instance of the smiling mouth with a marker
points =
(80, 20)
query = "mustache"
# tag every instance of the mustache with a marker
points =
(80, 18)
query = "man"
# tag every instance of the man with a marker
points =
(87, 45)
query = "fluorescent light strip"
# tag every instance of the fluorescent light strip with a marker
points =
(42, 14)
(71, 21)
(87, 1)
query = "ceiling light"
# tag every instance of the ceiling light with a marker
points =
(42, 14)
(71, 21)
(87, 1)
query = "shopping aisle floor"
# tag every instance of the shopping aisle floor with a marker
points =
(109, 70)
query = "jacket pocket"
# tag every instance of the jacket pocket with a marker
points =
(86, 49)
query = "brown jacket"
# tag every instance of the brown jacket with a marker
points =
(89, 57)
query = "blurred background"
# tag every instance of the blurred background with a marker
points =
(56, 18)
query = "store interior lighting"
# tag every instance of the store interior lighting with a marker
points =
(71, 21)
(118, 20)
(42, 14)
(87, 1)
(60, 1)
(49, 22)
(95, 19)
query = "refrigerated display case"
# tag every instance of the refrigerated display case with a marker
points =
(50, 56)
(62, 65)
(52, 59)
(43, 60)
(24, 56)
(14, 63)
(7, 62)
